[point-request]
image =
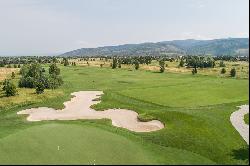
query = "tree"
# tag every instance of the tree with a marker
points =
(181, 63)
(40, 87)
(223, 71)
(65, 62)
(54, 80)
(194, 71)
(9, 88)
(114, 64)
(54, 60)
(53, 69)
(13, 75)
(233, 72)
(162, 65)
(222, 64)
(137, 65)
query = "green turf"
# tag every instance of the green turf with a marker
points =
(76, 144)
(195, 109)
(246, 118)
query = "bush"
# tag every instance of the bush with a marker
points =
(40, 88)
(9, 88)
(233, 72)
(223, 71)
(13, 75)
(27, 82)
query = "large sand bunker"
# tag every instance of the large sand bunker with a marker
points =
(237, 119)
(79, 108)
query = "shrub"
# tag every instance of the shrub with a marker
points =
(13, 75)
(223, 71)
(233, 72)
(27, 82)
(39, 87)
(9, 88)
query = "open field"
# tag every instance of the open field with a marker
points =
(196, 111)
(242, 67)
(5, 72)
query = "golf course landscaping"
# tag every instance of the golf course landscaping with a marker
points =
(195, 111)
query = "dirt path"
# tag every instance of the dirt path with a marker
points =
(237, 119)
(79, 108)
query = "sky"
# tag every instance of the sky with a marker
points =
(48, 27)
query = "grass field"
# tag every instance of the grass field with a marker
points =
(195, 109)
(242, 67)
(5, 72)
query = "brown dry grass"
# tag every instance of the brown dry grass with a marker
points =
(6, 72)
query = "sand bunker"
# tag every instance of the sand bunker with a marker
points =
(79, 108)
(237, 119)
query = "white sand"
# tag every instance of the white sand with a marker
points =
(79, 108)
(237, 119)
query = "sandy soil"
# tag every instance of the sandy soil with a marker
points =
(79, 108)
(237, 119)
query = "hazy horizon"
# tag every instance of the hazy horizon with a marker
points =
(44, 27)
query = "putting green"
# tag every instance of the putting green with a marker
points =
(76, 144)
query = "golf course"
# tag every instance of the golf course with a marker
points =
(194, 109)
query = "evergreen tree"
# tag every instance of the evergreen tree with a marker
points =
(114, 64)
(162, 65)
(233, 72)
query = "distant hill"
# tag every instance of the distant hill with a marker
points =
(229, 46)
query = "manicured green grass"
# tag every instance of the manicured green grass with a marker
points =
(78, 144)
(246, 118)
(195, 110)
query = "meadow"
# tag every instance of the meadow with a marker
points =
(194, 108)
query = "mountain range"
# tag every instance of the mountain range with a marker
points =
(215, 47)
